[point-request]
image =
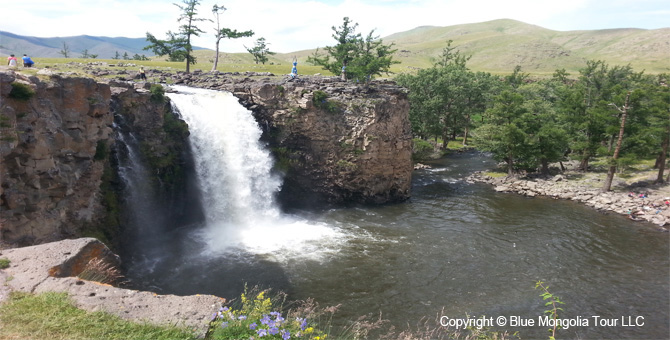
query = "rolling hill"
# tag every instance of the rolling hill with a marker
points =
(104, 47)
(495, 46)
(499, 45)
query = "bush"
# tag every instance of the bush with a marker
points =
(157, 93)
(101, 151)
(421, 150)
(320, 100)
(4, 263)
(21, 91)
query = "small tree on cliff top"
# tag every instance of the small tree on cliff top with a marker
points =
(221, 33)
(360, 58)
(260, 51)
(178, 45)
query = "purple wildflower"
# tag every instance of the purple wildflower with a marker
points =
(303, 324)
(262, 332)
(214, 316)
(273, 330)
(224, 324)
(265, 319)
(242, 317)
(253, 326)
(285, 334)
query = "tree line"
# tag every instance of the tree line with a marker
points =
(604, 111)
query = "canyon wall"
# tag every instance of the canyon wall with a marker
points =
(335, 142)
(52, 153)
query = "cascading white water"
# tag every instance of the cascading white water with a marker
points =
(235, 177)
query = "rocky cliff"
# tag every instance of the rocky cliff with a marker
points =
(55, 132)
(336, 142)
(58, 177)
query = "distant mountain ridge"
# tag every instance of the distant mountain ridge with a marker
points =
(104, 47)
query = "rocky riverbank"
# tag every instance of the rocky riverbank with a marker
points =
(642, 201)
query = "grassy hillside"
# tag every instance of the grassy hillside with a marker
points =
(496, 46)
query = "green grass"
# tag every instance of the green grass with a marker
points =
(158, 63)
(4, 263)
(456, 143)
(495, 174)
(52, 316)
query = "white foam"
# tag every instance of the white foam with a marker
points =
(237, 184)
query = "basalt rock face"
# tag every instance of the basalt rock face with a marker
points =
(336, 142)
(161, 142)
(58, 177)
(49, 173)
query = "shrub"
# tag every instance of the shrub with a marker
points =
(421, 150)
(157, 93)
(4, 263)
(101, 151)
(320, 100)
(4, 122)
(21, 91)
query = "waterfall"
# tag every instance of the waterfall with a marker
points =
(236, 180)
(144, 218)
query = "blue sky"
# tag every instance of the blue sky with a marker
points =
(303, 24)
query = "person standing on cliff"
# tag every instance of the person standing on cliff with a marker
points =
(294, 70)
(11, 61)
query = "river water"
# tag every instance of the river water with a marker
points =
(454, 249)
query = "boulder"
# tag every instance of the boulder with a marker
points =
(53, 267)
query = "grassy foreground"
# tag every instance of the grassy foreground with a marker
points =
(52, 316)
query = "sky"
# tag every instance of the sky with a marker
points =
(294, 25)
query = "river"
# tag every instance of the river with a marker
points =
(454, 249)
